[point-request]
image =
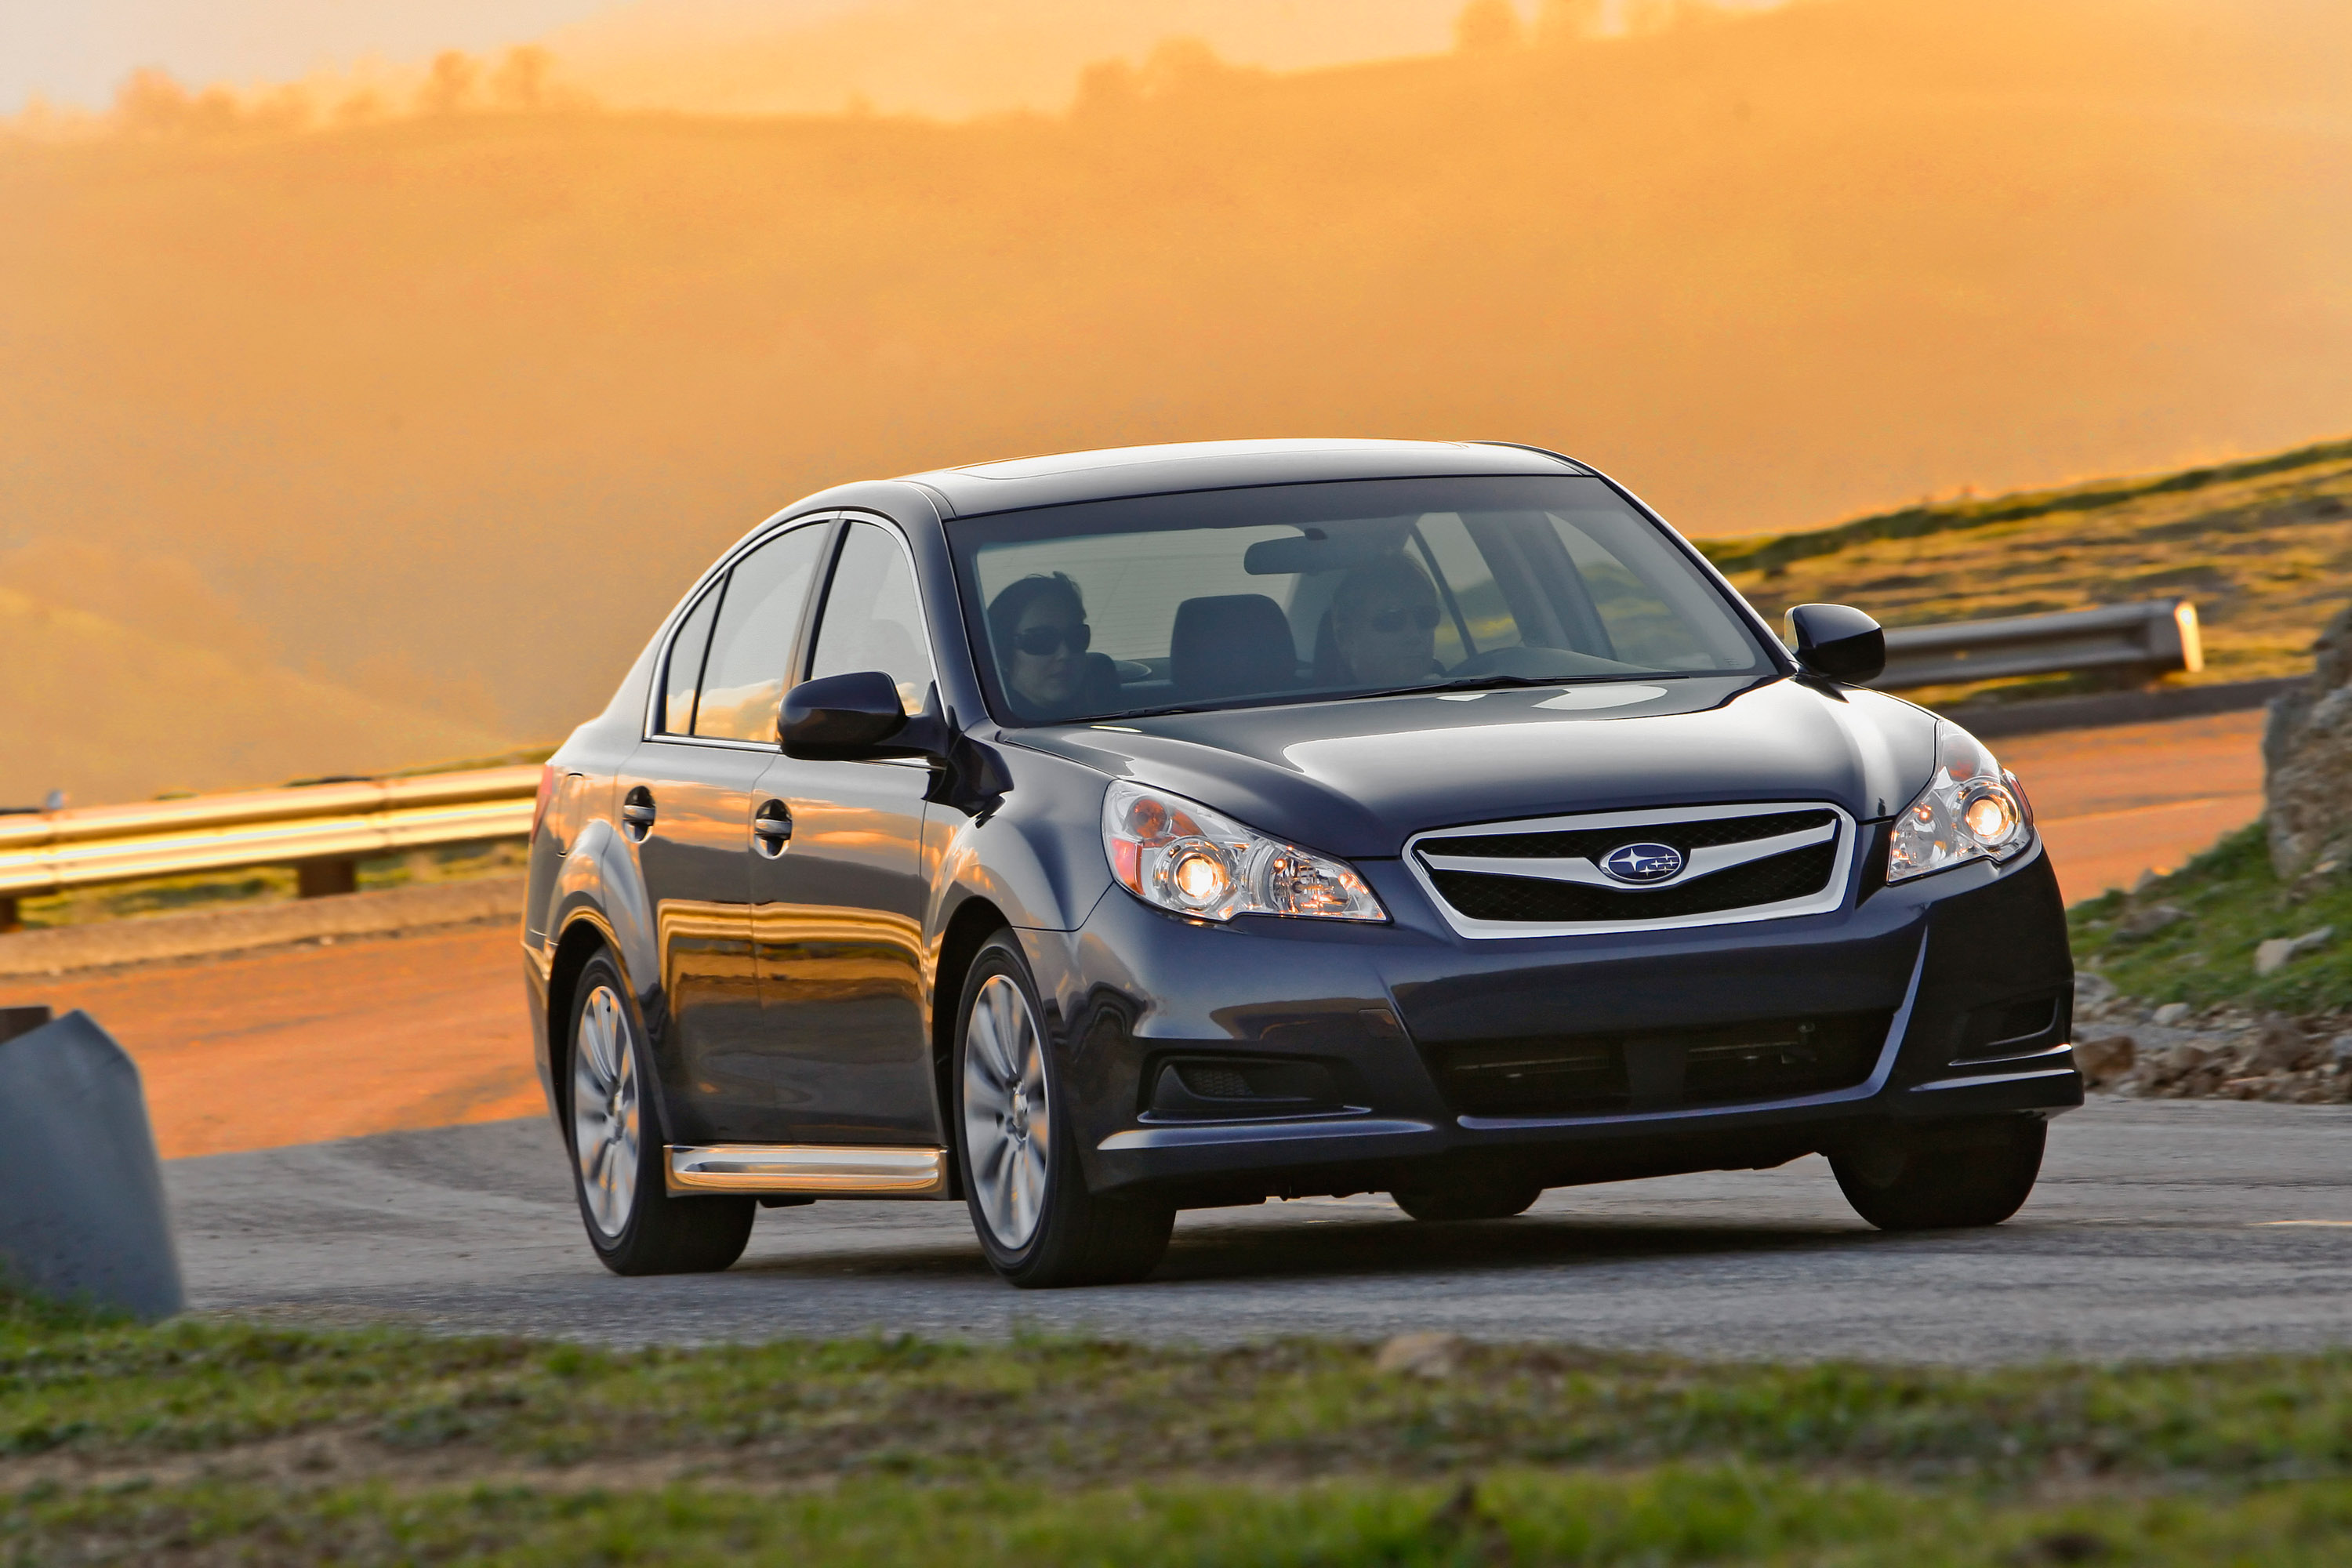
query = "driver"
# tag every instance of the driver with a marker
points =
(1384, 623)
(1039, 626)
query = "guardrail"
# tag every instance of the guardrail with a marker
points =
(322, 830)
(2153, 637)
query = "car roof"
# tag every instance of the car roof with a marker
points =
(1116, 471)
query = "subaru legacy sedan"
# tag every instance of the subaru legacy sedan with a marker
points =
(1090, 837)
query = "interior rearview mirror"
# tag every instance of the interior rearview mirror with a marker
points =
(1837, 642)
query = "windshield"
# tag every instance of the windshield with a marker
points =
(1315, 592)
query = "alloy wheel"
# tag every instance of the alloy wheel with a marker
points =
(1007, 1126)
(605, 1111)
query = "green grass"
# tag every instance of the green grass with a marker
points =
(2230, 902)
(266, 884)
(221, 1442)
(1715, 1514)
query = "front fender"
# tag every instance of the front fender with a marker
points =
(1035, 853)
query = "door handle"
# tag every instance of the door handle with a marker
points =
(772, 828)
(637, 813)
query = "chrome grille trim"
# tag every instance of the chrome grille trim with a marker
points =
(1703, 862)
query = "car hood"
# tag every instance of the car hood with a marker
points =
(1357, 778)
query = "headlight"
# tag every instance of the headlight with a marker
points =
(1970, 808)
(1180, 856)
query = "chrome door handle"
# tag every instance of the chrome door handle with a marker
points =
(772, 829)
(637, 813)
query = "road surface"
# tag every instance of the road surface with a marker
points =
(2165, 1228)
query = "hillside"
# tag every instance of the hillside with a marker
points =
(469, 397)
(2263, 547)
(110, 713)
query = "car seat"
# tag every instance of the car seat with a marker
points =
(1230, 644)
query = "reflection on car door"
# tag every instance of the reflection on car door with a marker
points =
(687, 799)
(837, 909)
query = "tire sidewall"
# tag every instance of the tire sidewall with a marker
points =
(1001, 956)
(602, 969)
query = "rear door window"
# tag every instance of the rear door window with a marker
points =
(683, 674)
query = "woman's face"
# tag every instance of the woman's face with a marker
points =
(1047, 680)
(1388, 637)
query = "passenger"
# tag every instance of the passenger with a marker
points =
(1384, 623)
(1039, 628)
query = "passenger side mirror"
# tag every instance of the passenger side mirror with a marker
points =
(844, 719)
(1837, 642)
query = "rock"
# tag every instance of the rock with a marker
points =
(2339, 1051)
(1435, 1356)
(2104, 1061)
(2150, 919)
(2279, 1045)
(2171, 1016)
(85, 1214)
(2092, 991)
(2185, 1058)
(2280, 951)
(2307, 760)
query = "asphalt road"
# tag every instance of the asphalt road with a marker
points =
(2160, 1229)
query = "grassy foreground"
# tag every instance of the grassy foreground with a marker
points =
(2190, 937)
(203, 1443)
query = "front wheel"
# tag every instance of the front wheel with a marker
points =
(619, 1167)
(1038, 1225)
(1944, 1179)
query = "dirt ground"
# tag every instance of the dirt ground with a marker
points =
(395, 1034)
(298, 1045)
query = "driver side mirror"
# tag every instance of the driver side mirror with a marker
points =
(855, 718)
(1837, 642)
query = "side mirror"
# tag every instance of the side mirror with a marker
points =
(1838, 642)
(846, 719)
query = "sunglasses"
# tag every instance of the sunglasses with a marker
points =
(1423, 616)
(1043, 642)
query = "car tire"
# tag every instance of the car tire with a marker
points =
(1950, 1179)
(1039, 1226)
(1487, 1200)
(619, 1166)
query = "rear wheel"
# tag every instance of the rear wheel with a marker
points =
(1944, 1178)
(1038, 1225)
(1479, 1201)
(619, 1167)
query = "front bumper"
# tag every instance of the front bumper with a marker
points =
(1378, 1008)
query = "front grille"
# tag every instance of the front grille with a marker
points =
(1491, 900)
(1592, 843)
(1658, 1069)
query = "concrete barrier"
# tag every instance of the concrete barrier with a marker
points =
(82, 1215)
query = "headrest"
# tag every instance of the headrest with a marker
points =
(1230, 644)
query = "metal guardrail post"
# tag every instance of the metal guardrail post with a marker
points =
(325, 879)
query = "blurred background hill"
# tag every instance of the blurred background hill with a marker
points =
(396, 422)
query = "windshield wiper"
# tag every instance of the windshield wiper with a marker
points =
(1467, 683)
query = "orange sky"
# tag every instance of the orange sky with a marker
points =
(450, 407)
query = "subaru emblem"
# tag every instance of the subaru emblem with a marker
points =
(1643, 862)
